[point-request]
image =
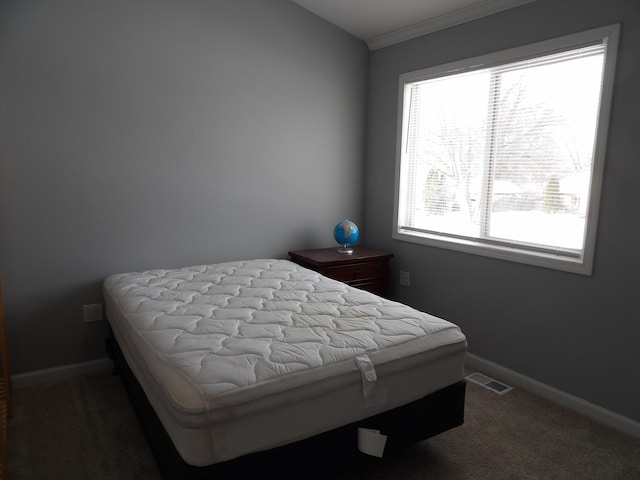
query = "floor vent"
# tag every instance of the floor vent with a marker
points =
(489, 383)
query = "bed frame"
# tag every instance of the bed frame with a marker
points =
(320, 455)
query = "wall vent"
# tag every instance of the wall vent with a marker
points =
(489, 383)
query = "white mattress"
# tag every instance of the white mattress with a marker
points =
(245, 356)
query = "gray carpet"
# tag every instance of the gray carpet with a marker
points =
(85, 429)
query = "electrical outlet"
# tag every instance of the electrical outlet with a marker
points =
(405, 279)
(92, 313)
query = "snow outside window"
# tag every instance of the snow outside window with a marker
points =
(502, 155)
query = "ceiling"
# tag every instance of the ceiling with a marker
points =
(384, 22)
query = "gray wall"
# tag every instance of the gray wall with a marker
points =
(576, 333)
(142, 134)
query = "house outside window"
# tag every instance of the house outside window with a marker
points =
(503, 155)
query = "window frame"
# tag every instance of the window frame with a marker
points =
(581, 263)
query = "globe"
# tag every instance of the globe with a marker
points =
(346, 233)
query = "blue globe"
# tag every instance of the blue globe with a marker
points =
(346, 232)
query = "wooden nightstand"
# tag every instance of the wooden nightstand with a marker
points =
(365, 268)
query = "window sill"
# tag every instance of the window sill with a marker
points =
(572, 264)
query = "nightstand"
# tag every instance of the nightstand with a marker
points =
(365, 268)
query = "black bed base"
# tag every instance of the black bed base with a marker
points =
(319, 455)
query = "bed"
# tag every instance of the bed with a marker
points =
(241, 364)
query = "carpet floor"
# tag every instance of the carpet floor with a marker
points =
(85, 429)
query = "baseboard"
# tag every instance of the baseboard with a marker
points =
(595, 412)
(58, 374)
(590, 410)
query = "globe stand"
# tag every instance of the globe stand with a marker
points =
(346, 248)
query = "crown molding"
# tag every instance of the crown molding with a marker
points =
(441, 22)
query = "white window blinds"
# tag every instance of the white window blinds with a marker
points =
(502, 154)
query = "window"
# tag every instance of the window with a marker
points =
(502, 155)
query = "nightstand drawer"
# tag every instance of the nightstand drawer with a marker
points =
(358, 271)
(379, 286)
(365, 268)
